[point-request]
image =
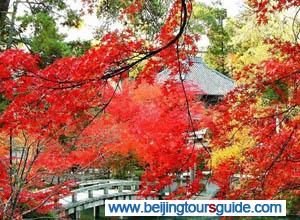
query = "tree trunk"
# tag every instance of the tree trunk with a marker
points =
(4, 4)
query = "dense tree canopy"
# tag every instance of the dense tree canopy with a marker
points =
(50, 107)
(60, 116)
(257, 130)
(249, 41)
(265, 110)
(210, 20)
(34, 25)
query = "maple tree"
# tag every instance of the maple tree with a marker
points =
(51, 108)
(264, 8)
(79, 112)
(257, 125)
(132, 120)
(34, 25)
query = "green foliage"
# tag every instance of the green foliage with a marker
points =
(277, 92)
(206, 19)
(123, 166)
(248, 42)
(293, 204)
(210, 21)
(72, 20)
(3, 103)
(138, 173)
(37, 29)
(63, 139)
(78, 48)
(36, 215)
(4, 4)
(60, 4)
(148, 21)
(46, 40)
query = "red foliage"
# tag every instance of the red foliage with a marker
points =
(51, 109)
(151, 122)
(263, 8)
(56, 110)
(268, 106)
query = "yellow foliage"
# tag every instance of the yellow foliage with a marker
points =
(139, 67)
(18, 142)
(249, 39)
(80, 25)
(241, 141)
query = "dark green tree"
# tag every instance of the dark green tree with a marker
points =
(35, 25)
(4, 4)
(148, 21)
(210, 20)
(46, 39)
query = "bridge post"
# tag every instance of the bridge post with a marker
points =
(90, 194)
(105, 191)
(134, 187)
(74, 197)
(120, 188)
(97, 212)
(76, 214)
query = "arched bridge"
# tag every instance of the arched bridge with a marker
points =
(92, 194)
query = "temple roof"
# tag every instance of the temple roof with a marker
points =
(207, 80)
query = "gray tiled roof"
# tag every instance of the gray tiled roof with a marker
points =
(205, 79)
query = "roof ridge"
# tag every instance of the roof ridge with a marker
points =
(211, 69)
(211, 81)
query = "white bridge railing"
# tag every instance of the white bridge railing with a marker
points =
(93, 194)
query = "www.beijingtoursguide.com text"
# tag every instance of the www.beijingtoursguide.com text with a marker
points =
(195, 208)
